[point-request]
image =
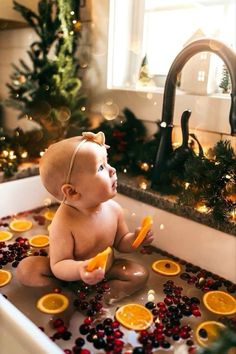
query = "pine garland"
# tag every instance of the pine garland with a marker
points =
(211, 181)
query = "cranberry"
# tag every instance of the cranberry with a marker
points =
(150, 305)
(66, 335)
(139, 350)
(165, 344)
(118, 334)
(84, 351)
(99, 343)
(203, 333)
(88, 320)
(79, 341)
(196, 313)
(115, 324)
(84, 329)
(57, 323)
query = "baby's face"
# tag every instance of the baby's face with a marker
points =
(92, 176)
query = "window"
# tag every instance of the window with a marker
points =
(146, 35)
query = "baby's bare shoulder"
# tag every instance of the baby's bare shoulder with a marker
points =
(61, 221)
(112, 204)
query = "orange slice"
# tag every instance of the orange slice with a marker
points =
(134, 316)
(145, 226)
(49, 215)
(220, 302)
(5, 277)
(52, 303)
(39, 241)
(5, 235)
(20, 225)
(99, 261)
(207, 332)
(166, 267)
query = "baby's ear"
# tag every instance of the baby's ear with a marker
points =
(70, 192)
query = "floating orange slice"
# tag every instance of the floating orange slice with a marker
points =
(39, 241)
(5, 277)
(49, 215)
(99, 261)
(20, 225)
(220, 302)
(207, 332)
(5, 235)
(145, 226)
(166, 267)
(52, 303)
(134, 316)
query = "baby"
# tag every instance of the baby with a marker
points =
(88, 220)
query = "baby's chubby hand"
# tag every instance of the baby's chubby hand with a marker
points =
(149, 237)
(144, 234)
(93, 277)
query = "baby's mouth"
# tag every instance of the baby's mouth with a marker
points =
(114, 184)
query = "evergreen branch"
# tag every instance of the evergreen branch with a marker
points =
(30, 16)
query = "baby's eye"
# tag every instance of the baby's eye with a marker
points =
(100, 168)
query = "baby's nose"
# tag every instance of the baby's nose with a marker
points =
(112, 171)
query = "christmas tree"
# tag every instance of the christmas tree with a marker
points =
(48, 90)
(225, 81)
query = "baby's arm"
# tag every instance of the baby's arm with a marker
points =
(62, 262)
(124, 238)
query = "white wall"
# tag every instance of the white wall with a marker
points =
(7, 12)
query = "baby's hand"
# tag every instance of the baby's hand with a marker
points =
(148, 238)
(143, 234)
(93, 277)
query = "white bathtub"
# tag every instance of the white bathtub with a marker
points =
(191, 241)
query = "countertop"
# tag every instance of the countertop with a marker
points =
(129, 186)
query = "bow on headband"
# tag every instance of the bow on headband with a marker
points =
(98, 138)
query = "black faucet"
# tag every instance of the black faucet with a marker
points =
(201, 45)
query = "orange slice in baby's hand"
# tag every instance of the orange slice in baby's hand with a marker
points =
(207, 332)
(5, 277)
(134, 316)
(5, 235)
(52, 303)
(220, 302)
(166, 267)
(145, 226)
(49, 215)
(99, 261)
(20, 225)
(39, 241)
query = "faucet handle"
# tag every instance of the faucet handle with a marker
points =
(185, 127)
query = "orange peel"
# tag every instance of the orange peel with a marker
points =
(166, 267)
(52, 303)
(145, 226)
(5, 277)
(99, 261)
(220, 302)
(134, 316)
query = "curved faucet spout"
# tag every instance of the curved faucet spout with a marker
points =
(200, 45)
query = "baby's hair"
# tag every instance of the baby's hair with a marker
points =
(57, 162)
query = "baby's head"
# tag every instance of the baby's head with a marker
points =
(59, 163)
